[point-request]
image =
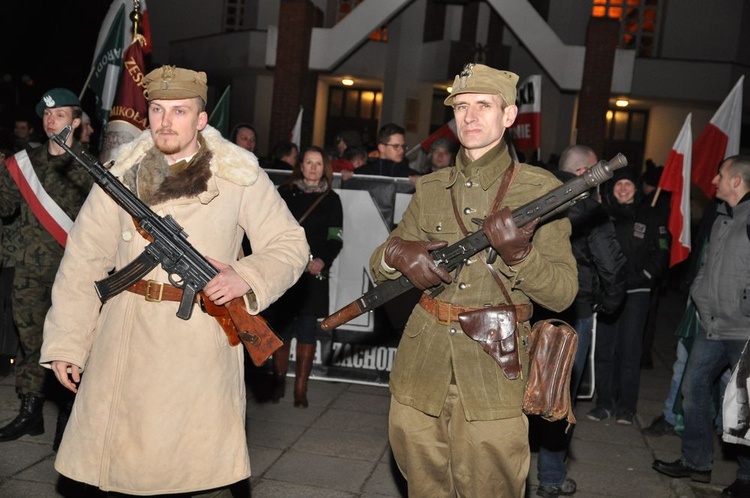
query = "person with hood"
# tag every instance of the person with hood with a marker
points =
(645, 243)
(161, 408)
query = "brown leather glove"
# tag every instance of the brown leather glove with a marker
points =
(411, 257)
(513, 244)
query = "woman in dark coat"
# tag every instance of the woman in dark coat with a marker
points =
(317, 207)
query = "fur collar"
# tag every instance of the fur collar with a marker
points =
(228, 161)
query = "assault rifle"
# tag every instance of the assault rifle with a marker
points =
(455, 255)
(188, 269)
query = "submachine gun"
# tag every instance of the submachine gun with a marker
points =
(187, 268)
(454, 256)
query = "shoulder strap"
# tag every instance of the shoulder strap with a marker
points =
(312, 206)
(508, 178)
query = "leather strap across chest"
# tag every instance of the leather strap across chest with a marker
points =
(508, 178)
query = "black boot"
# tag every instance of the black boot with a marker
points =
(66, 406)
(29, 420)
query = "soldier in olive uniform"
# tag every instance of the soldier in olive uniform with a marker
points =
(456, 424)
(64, 187)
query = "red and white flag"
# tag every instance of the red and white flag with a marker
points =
(718, 140)
(676, 179)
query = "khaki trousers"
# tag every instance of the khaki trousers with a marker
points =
(447, 456)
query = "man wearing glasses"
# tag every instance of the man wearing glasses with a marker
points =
(391, 149)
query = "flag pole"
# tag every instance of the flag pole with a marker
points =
(86, 84)
(135, 16)
(656, 196)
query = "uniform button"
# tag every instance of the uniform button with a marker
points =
(468, 210)
(438, 228)
(469, 183)
(127, 236)
(462, 286)
(453, 330)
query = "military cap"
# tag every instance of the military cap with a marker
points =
(174, 83)
(478, 78)
(57, 97)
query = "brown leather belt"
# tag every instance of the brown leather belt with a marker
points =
(155, 291)
(447, 312)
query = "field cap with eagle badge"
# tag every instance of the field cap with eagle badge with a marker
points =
(478, 78)
(57, 97)
(175, 83)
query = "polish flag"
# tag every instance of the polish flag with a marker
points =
(676, 179)
(718, 140)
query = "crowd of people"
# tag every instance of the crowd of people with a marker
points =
(456, 424)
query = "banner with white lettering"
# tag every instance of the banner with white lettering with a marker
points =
(526, 131)
(363, 349)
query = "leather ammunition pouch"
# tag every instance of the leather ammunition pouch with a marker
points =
(552, 349)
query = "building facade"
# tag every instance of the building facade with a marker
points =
(665, 58)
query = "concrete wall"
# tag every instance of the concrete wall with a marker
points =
(665, 123)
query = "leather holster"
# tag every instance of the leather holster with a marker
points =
(495, 329)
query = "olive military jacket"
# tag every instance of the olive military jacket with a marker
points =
(431, 355)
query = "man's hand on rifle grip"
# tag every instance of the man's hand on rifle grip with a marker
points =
(412, 258)
(226, 285)
(513, 244)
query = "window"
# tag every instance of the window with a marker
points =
(354, 103)
(626, 133)
(638, 22)
(234, 15)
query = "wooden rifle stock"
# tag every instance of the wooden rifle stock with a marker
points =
(455, 255)
(253, 331)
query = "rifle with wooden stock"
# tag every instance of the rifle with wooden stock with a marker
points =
(454, 256)
(187, 268)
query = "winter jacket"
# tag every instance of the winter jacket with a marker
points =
(644, 241)
(601, 264)
(721, 290)
(161, 405)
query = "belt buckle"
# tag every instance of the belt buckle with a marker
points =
(443, 306)
(154, 283)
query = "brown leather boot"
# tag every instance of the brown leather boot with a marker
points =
(305, 356)
(280, 367)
